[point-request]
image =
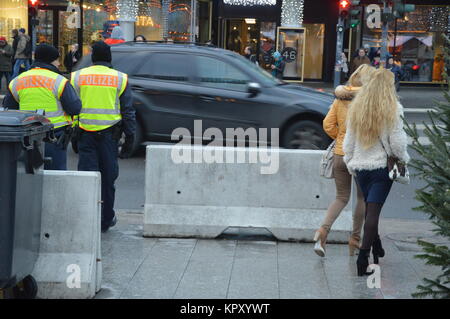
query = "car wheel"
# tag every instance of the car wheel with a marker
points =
(305, 135)
(137, 140)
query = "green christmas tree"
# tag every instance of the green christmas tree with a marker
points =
(433, 166)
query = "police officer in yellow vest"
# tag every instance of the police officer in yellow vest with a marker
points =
(44, 88)
(107, 112)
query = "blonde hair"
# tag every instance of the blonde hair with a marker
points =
(374, 109)
(361, 75)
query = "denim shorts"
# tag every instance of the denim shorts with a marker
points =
(375, 184)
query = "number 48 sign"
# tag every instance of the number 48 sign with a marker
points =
(289, 54)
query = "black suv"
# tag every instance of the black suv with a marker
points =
(175, 84)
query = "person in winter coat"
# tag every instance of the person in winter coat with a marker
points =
(15, 37)
(21, 56)
(374, 130)
(6, 52)
(394, 68)
(334, 125)
(278, 65)
(359, 60)
(72, 57)
(250, 55)
(116, 36)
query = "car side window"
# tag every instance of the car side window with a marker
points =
(164, 66)
(216, 73)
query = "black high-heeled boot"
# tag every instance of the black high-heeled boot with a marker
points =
(363, 262)
(377, 250)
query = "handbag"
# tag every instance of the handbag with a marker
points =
(326, 163)
(398, 171)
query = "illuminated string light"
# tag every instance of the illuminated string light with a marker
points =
(292, 13)
(127, 10)
(250, 2)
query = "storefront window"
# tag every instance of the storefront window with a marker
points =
(13, 15)
(180, 20)
(149, 20)
(315, 36)
(267, 43)
(415, 42)
(99, 18)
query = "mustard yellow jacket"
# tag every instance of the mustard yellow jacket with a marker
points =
(334, 123)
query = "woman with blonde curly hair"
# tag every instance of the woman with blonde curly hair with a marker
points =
(334, 125)
(374, 130)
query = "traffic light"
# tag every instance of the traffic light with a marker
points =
(355, 13)
(400, 8)
(33, 7)
(344, 6)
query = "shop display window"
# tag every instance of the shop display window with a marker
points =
(415, 42)
(13, 15)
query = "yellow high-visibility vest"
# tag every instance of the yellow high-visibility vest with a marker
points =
(99, 88)
(41, 89)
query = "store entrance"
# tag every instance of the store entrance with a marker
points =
(241, 33)
(53, 29)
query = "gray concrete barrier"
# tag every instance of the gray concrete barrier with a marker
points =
(69, 262)
(203, 199)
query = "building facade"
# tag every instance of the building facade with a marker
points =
(304, 29)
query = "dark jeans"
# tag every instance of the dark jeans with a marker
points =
(98, 152)
(17, 64)
(7, 76)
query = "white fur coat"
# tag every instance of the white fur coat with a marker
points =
(395, 143)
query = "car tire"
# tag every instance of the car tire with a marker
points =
(305, 135)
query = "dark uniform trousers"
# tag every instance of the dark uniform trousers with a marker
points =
(58, 154)
(98, 151)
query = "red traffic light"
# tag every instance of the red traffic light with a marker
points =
(34, 2)
(344, 4)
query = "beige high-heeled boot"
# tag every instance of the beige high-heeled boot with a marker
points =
(353, 245)
(320, 239)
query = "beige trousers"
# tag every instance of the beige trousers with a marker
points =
(343, 181)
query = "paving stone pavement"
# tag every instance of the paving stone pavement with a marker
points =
(249, 264)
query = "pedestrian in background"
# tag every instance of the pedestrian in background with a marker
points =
(23, 53)
(44, 88)
(250, 55)
(72, 57)
(334, 125)
(116, 36)
(394, 68)
(374, 129)
(15, 37)
(107, 112)
(6, 53)
(140, 38)
(359, 60)
(278, 65)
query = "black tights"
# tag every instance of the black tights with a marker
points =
(373, 211)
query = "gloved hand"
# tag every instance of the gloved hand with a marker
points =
(127, 147)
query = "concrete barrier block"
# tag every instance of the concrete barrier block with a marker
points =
(69, 261)
(203, 199)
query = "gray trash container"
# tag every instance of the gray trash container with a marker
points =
(21, 177)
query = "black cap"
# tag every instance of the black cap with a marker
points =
(101, 52)
(46, 53)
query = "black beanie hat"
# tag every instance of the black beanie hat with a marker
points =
(101, 52)
(46, 53)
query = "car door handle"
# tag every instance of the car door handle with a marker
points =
(207, 98)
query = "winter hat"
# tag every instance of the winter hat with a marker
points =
(101, 52)
(22, 30)
(117, 33)
(2, 39)
(46, 53)
(277, 55)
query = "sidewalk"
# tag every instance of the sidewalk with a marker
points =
(252, 265)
